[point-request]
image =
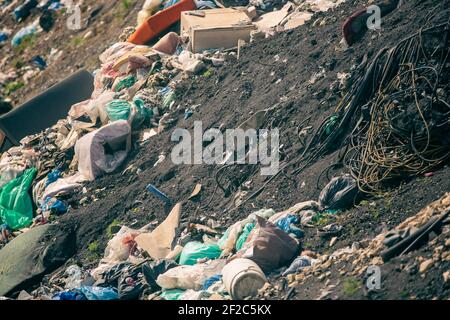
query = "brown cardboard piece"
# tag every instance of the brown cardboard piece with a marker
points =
(273, 19)
(159, 243)
(297, 19)
(219, 28)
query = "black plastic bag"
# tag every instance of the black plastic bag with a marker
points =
(340, 193)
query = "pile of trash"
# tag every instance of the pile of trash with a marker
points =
(134, 98)
(194, 262)
(355, 261)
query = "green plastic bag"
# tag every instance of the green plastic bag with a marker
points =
(197, 250)
(16, 206)
(172, 295)
(244, 236)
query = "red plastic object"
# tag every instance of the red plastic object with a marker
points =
(160, 22)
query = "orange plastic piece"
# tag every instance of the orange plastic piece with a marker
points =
(160, 22)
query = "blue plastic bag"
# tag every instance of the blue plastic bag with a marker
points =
(74, 295)
(99, 293)
(26, 31)
(208, 283)
(287, 224)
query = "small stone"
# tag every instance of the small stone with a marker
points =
(88, 34)
(333, 241)
(439, 249)
(299, 277)
(446, 276)
(447, 242)
(446, 256)
(424, 266)
(327, 264)
(436, 257)
(377, 261)
(291, 278)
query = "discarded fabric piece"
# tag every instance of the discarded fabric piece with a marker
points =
(30, 256)
(211, 281)
(268, 246)
(287, 224)
(153, 270)
(63, 186)
(298, 264)
(168, 44)
(104, 150)
(340, 193)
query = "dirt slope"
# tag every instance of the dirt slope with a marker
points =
(271, 72)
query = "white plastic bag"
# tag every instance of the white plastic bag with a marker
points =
(118, 250)
(190, 277)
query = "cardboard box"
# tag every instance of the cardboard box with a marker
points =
(216, 28)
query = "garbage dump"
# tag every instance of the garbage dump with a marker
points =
(96, 204)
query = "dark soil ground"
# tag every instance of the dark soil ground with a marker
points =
(270, 72)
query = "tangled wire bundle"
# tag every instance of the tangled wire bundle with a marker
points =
(394, 121)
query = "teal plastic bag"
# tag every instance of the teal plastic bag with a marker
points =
(99, 293)
(172, 295)
(118, 110)
(197, 250)
(121, 110)
(244, 236)
(16, 206)
(143, 113)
